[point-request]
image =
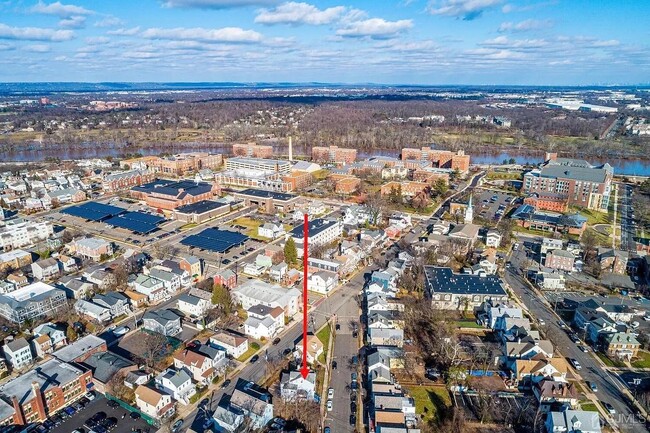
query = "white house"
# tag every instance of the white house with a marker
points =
(322, 281)
(171, 281)
(493, 239)
(18, 353)
(150, 286)
(321, 232)
(234, 345)
(254, 292)
(193, 305)
(254, 270)
(271, 230)
(400, 220)
(199, 366)
(176, 383)
(154, 403)
(92, 311)
(263, 321)
(45, 269)
(294, 387)
(279, 271)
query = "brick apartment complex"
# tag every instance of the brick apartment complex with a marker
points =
(335, 154)
(176, 165)
(298, 180)
(547, 201)
(252, 150)
(581, 183)
(440, 158)
(409, 189)
(168, 195)
(41, 392)
(346, 184)
(429, 175)
(560, 259)
(126, 179)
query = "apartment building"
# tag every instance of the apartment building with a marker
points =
(406, 188)
(37, 300)
(18, 353)
(176, 165)
(321, 232)
(15, 259)
(92, 248)
(250, 178)
(258, 164)
(560, 259)
(450, 291)
(268, 201)
(20, 233)
(256, 292)
(44, 390)
(579, 182)
(439, 158)
(549, 201)
(252, 150)
(334, 154)
(126, 179)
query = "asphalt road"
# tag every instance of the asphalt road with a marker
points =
(627, 222)
(609, 388)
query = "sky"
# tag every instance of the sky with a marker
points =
(501, 42)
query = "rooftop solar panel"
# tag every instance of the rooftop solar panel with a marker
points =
(138, 222)
(143, 217)
(215, 240)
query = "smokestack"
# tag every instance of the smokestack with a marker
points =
(290, 149)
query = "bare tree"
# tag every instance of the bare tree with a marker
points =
(152, 345)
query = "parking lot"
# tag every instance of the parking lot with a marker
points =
(125, 424)
(491, 205)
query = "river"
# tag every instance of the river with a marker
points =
(621, 166)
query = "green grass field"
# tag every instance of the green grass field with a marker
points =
(324, 336)
(430, 401)
(643, 360)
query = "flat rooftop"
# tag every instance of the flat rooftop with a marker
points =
(260, 193)
(31, 291)
(201, 207)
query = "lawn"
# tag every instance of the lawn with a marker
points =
(252, 348)
(324, 336)
(188, 226)
(251, 227)
(430, 401)
(643, 360)
(610, 362)
(593, 217)
(589, 407)
(467, 324)
(504, 175)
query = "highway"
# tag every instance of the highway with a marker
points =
(609, 386)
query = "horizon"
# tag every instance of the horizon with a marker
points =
(415, 42)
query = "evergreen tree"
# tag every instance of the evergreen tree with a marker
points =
(290, 251)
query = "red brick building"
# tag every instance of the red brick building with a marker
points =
(126, 179)
(409, 189)
(547, 201)
(440, 158)
(298, 180)
(335, 154)
(42, 391)
(427, 176)
(560, 259)
(347, 185)
(226, 278)
(252, 150)
(176, 165)
(168, 194)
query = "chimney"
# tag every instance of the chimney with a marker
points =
(290, 149)
(19, 417)
(39, 401)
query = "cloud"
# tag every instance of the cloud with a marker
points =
(503, 41)
(74, 22)
(59, 9)
(299, 13)
(38, 48)
(217, 4)
(526, 25)
(508, 7)
(124, 32)
(605, 44)
(7, 47)
(375, 28)
(109, 21)
(34, 34)
(226, 34)
(97, 40)
(465, 9)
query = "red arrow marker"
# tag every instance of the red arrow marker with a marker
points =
(304, 371)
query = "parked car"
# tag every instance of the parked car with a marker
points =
(177, 425)
(118, 332)
(276, 341)
(90, 395)
(329, 405)
(254, 359)
(225, 383)
(330, 393)
(593, 387)
(575, 363)
(609, 408)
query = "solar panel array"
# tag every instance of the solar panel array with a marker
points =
(215, 240)
(138, 222)
(93, 211)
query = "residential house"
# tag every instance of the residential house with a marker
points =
(104, 366)
(93, 311)
(18, 353)
(101, 278)
(493, 239)
(530, 349)
(573, 421)
(156, 404)
(45, 269)
(193, 305)
(254, 401)
(253, 269)
(278, 272)
(448, 290)
(294, 387)
(494, 313)
(264, 321)
(116, 302)
(254, 292)
(560, 260)
(226, 278)
(227, 417)
(67, 263)
(235, 345)
(150, 286)
(386, 337)
(193, 265)
(164, 322)
(314, 348)
(218, 356)
(47, 338)
(550, 281)
(550, 244)
(171, 281)
(614, 261)
(197, 365)
(384, 279)
(271, 230)
(176, 383)
(322, 281)
(621, 345)
(537, 370)
(550, 392)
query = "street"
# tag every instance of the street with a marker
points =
(609, 387)
(627, 219)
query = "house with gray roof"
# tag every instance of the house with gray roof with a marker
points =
(193, 305)
(18, 353)
(451, 291)
(104, 365)
(176, 383)
(294, 387)
(164, 322)
(573, 421)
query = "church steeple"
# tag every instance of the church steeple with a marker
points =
(469, 211)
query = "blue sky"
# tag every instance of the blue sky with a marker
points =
(537, 42)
